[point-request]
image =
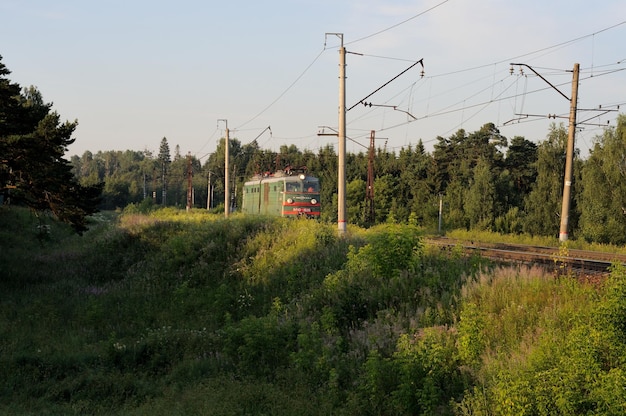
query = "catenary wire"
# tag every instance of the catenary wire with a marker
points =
(397, 24)
(445, 111)
(285, 91)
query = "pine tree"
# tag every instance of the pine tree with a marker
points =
(165, 160)
(33, 171)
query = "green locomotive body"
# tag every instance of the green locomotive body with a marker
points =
(285, 193)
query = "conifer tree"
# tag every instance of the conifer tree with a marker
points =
(165, 160)
(33, 171)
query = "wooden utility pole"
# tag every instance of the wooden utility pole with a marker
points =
(226, 175)
(569, 157)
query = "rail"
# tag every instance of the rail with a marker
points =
(579, 261)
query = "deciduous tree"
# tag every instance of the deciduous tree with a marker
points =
(543, 205)
(603, 202)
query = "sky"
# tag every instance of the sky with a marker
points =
(132, 72)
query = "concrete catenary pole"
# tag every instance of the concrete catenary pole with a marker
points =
(369, 191)
(226, 176)
(440, 212)
(569, 157)
(341, 183)
(189, 183)
(208, 193)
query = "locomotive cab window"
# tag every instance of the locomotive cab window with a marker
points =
(311, 187)
(293, 187)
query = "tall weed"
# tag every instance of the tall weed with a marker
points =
(169, 312)
(547, 346)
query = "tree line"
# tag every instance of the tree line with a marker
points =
(483, 180)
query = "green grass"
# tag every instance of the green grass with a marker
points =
(111, 320)
(543, 346)
(491, 237)
(177, 313)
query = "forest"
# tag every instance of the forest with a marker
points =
(484, 180)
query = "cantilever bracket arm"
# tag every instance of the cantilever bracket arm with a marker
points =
(395, 107)
(421, 62)
(548, 82)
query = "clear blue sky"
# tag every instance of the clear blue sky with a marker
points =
(133, 72)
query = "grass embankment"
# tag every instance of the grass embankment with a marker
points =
(532, 240)
(178, 313)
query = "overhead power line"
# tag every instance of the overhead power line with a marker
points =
(284, 92)
(398, 24)
(450, 110)
(558, 45)
(206, 143)
(440, 112)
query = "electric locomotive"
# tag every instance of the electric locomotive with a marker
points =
(286, 193)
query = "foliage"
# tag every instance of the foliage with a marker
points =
(165, 160)
(430, 371)
(481, 197)
(176, 312)
(603, 202)
(543, 205)
(33, 171)
(485, 181)
(491, 237)
(547, 348)
(170, 299)
(520, 164)
(532, 240)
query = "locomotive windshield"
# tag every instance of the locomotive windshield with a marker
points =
(293, 187)
(311, 186)
(302, 186)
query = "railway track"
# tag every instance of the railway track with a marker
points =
(578, 261)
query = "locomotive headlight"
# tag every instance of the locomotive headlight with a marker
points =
(289, 201)
(313, 201)
(302, 176)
